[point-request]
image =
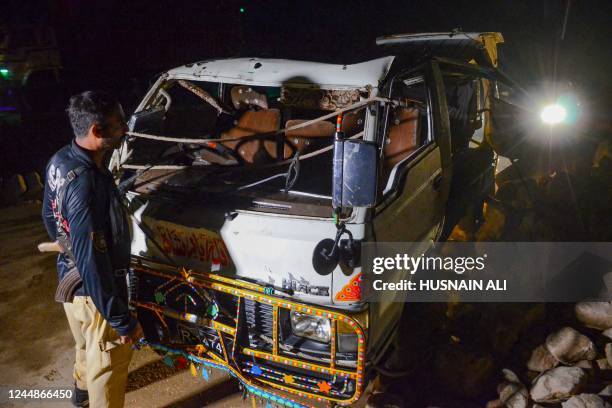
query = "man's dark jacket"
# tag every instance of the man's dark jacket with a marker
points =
(92, 218)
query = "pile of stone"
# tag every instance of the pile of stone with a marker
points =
(569, 369)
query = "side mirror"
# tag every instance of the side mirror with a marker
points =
(147, 120)
(354, 173)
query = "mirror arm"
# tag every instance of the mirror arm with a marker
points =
(341, 230)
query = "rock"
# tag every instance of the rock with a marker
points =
(541, 359)
(600, 363)
(512, 393)
(569, 346)
(597, 315)
(608, 350)
(494, 404)
(608, 333)
(464, 372)
(585, 401)
(510, 376)
(587, 364)
(607, 391)
(603, 364)
(557, 384)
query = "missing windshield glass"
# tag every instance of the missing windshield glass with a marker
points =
(255, 128)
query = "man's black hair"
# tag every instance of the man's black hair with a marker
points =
(89, 108)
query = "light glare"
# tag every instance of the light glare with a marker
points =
(553, 114)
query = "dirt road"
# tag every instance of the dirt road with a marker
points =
(36, 347)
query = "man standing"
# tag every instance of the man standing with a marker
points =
(82, 210)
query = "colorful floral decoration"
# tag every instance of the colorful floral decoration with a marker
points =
(247, 386)
(324, 386)
(352, 290)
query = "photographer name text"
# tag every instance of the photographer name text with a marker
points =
(434, 285)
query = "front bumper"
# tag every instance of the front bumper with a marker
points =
(241, 327)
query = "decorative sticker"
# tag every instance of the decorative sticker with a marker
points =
(193, 243)
(351, 292)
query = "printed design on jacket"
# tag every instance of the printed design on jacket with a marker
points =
(56, 181)
(54, 178)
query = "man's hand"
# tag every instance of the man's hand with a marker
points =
(134, 336)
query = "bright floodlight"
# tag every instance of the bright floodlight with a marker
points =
(553, 114)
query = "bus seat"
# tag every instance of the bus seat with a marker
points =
(253, 122)
(302, 139)
(402, 138)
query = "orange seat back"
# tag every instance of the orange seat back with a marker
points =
(303, 139)
(250, 123)
(402, 138)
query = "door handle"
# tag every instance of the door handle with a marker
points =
(437, 182)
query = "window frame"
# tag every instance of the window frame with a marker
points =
(479, 74)
(391, 186)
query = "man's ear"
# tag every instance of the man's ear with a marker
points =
(96, 130)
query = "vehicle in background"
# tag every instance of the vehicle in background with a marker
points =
(29, 71)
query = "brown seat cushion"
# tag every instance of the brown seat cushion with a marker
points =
(302, 139)
(250, 123)
(402, 138)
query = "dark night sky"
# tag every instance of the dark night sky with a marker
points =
(118, 45)
(137, 36)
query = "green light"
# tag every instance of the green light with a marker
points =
(4, 72)
(242, 10)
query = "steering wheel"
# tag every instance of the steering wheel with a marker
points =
(211, 152)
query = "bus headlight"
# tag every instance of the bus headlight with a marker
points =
(312, 327)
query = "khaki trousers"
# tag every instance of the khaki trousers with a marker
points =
(101, 364)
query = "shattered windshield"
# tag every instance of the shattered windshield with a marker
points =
(261, 130)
